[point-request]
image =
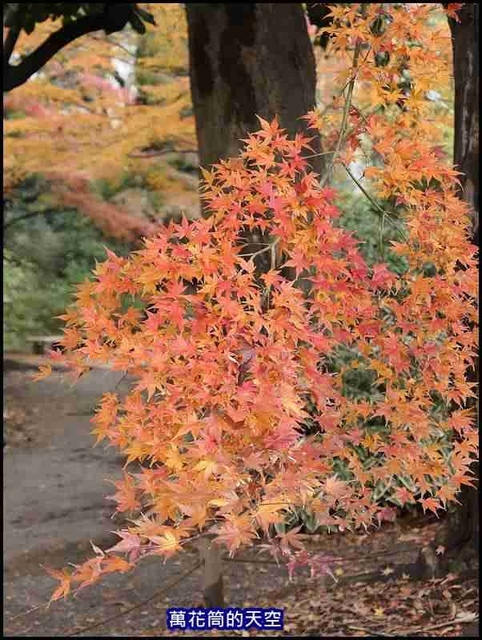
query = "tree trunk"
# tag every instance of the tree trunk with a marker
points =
(212, 579)
(463, 524)
(465, 42)
(245, 60)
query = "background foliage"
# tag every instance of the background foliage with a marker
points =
(47, 250)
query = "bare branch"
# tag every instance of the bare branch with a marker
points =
(161, 152)
(9, 44)
(155, 595)
(346, 110)
(14, 76)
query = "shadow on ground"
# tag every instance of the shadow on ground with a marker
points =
(55, 488)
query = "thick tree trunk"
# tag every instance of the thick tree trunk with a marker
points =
(465, 41)
(247, 59)
(464, 522)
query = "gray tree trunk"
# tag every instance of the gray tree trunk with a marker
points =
(463, 533)
(212, 579)
(247, 59)
(465, 42)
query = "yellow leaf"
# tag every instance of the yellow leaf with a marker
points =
(167, 543)
(208, 467)
(43, 372)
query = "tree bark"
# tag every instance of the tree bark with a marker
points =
(247, 59)
(212, 579)
(463, 523)
(465, 42)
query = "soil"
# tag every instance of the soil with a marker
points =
(55, 488)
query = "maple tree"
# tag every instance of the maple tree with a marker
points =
(236, 413)
(41, 132)
(103, 130)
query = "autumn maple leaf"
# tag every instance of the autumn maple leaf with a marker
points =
(130, 544)
(452, 8)
(336, 488)
(43, 372)
(65, 577)
(291, 538)
(432, 504)
(234, 534)
(126, 496)
(165, 545)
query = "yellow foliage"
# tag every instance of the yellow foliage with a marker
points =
(73, 119)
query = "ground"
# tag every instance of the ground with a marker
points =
(55, 488)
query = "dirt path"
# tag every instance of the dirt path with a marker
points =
(54, 503)
(54, 484)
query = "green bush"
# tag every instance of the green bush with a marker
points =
(362, 218)
(46, 252)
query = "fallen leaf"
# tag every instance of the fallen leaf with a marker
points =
(379, 612)
(43, 372)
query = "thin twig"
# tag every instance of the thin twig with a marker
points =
(121, 380)
(273, 256)
(160, 152)
(115, 44)
(382, 246)
(439, 625)
(26, 613)
(346, 111)
(138, 605)
(248, 561)
(372, 632)
(374, 202)
(268, 247)
(322, 153)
